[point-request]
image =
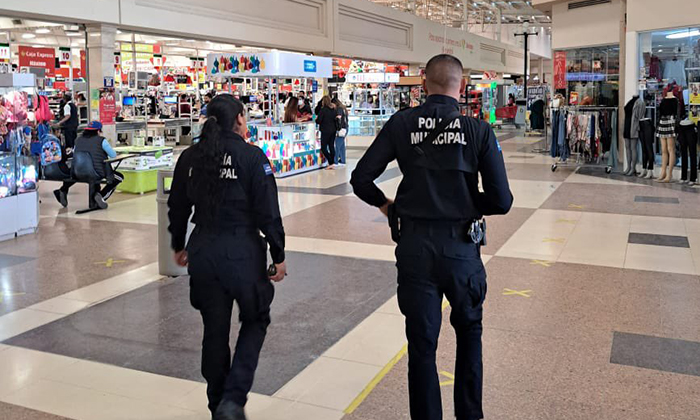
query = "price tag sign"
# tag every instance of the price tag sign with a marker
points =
(5, 52)
(64, 54)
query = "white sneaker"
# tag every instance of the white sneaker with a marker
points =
(643, 174)
(650, 175)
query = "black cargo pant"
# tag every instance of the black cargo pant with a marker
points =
(646, 136)
(224, 268)
(435, 260)
(688, 139)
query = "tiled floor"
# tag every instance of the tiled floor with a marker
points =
(592, 310)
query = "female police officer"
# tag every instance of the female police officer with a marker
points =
(231, 186)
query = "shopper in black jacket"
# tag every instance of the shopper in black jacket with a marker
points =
(327, 125)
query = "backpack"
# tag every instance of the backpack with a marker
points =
(51, 150)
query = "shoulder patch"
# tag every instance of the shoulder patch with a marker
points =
(498, 145)
(267, 168)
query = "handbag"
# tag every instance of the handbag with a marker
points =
(342, 132)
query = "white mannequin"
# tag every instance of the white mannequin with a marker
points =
(668, 156)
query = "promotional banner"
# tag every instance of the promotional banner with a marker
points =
(83, 65)
(107, 106)
(560, 70)
(5, 52)
(269, 64)
(38, 57)
(64, 55)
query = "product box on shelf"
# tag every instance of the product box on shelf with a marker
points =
(148, 158)
(291, 148)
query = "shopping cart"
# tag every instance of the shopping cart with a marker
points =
(506, 115)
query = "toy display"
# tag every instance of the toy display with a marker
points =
(291, 148)
(8, 175)
(238, 63)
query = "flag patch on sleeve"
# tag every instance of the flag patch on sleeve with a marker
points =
(268, 169)
(498, 145)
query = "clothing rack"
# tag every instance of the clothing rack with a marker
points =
(562, 156)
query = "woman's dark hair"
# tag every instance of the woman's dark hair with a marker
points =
(292, 110)
(208, 153)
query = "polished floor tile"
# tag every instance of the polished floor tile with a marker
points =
(531, 194)
(155, 330)
(660, 258)
(658, 353)
(661, 225)
(15, 412)
(658, 240)
(343, 219)
(329, 383)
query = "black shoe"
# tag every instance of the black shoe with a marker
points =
(229, 410)
(61, 197)
(101, 203)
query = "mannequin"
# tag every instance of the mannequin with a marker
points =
(666, 131)
(688, 138)
(634, 111)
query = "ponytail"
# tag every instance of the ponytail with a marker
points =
(222, 114)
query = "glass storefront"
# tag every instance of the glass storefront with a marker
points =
(669, 60)
(592, 76)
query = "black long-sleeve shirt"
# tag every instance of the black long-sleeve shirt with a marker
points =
(250, 196)
(326, 120)
(443, 183)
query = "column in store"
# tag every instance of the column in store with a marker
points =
(101, 75)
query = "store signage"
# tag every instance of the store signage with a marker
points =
(490, 75)
(314, 86)
(83, 63)
(64, 54)
(309, 66)
(5, 52)
(585, 77)
(108, 82)
(143, 48)
(275, 63)
(560, 70)
(38, 57)
(107, 105)
(372, 78)
(117, 59)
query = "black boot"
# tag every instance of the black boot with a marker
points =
(61, 197)
(229, 410)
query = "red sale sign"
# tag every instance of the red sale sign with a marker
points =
(560, 70)
(44, 58)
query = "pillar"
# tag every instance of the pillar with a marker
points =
(100, 57)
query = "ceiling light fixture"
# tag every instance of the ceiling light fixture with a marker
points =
(72, 33)
(95, 34)
(43, 31)
(686, 34)
(28, 36)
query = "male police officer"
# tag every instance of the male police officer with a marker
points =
(435, 222)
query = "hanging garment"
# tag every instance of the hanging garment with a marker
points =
(675, 70)
(537, 115)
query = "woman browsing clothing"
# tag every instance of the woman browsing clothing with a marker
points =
(232, 188)
(342, 126)
(327, 126)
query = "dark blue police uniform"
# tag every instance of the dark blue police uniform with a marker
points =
(227, 261)
(436, 203)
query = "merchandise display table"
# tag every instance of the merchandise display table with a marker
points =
(162, 126)
(141, 171)
(366, 124)
(291, 148)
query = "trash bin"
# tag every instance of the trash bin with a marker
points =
(522, 110)
(166, 262)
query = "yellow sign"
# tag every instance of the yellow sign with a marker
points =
(542, 263)
(127, 57)
(144, 48)
(450, 378)
(110, 262)
(511, 292)
(557, 240)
